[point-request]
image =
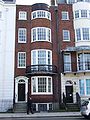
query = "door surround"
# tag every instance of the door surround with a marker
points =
(21, 80)
(69, 91)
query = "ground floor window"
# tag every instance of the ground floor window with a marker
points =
(84, 86)
(41, 85)
(42, 106)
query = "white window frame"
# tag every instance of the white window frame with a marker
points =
(65, 15)
(86, 15)
(68, 32)
(82, 62)
(48, 36)
(25, 36)
(67, 62)
(21, 60)
(35, 78)
(81, 34)
(78, 36)
(76, 14)
(34, 61)
(22, 15)
(85, 90)
(47, 14)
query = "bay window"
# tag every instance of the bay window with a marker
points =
(41, 34)
(84, 61)
(41, 85)
(41, 57)
(84, 86)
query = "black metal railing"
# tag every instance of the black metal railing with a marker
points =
(41, 68)
(81, 66)
(78, 99)
(64, 101)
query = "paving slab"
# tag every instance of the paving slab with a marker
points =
(41, 114)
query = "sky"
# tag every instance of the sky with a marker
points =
(30, 2)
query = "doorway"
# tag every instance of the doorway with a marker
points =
(21, 89)
(69, 92)
(21, 92)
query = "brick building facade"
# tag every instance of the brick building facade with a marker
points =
(52, 53)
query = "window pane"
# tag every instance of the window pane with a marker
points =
(77, 14)
(22, 15)
(34, 34)
(87, 61)
(85, 32)
(49, 84)
(81, 86)
(34, 84)
(41, 32)
(78, 34)
(41, 57)
(88, 87)
(65, 15)
(22, 59)
(80, 61)
(67, 62)
(66, 35)
(41, 84)
(22, 35)
(84, 13)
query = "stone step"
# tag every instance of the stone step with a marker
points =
(72, 107)
(20, 107)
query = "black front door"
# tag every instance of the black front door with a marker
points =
(21, 92)
(69, 94)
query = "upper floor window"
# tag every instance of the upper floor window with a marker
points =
(21, 59)
(82, 14)
(83, 34)
(41, 34)
(65, 15)
(84, 61)
(41, 57)
(77, 14)
(22, 15)
(78, 34)
(41, 14)
(70, 1)
(66, 35)
(67, 62)
(22, 35)
(41, 85)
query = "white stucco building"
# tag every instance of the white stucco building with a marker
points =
(7, 47)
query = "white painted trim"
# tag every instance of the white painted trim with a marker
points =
(46, 14)
(36, 83)
(16, 87)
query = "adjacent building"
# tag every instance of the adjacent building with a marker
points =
(7, 51)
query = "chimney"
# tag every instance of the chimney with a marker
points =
(52, 2)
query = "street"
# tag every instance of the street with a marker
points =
(46, 118)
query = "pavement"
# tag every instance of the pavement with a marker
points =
(41, 114)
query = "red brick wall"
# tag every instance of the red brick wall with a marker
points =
(27, 47)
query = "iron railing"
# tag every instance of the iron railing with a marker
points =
(41, 69)
(81, 66)
(78, 99)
